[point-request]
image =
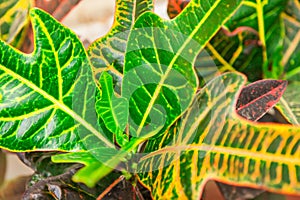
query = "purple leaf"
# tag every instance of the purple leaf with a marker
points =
(259, 97)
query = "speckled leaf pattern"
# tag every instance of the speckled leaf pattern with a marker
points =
(14, 20)
(107, 53)
(213, 142)
(257, 98)
(48, 97)
(159, 63)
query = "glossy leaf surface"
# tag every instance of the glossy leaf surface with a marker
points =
(107, 53)
(159, 63)
(48, 97)
(213, 142)
(257, 98)
(112, 110)
(170, 78)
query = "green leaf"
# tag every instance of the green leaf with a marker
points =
(98, 162)
(213, 143)
(265, 17)
(159, 79)
(107, 53)
(252, 40)
(48, 97)
(291, 61)
(112, 110)
(289, 105)
(14, 20)
(168, 78)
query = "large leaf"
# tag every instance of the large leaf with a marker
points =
(252, 40)
(107, 53)
(159, 78)
(213, 142)
(48, 97)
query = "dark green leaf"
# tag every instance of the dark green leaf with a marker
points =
(48, 97)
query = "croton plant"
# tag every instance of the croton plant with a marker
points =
(157, 108)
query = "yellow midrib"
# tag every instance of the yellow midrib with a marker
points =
(58, 104)
(169, 68)
(59, 76)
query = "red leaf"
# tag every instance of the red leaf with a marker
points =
(176, 6)
(259, 97)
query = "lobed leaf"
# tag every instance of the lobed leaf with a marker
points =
(48, 97)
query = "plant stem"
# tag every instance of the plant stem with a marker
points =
(261, 32)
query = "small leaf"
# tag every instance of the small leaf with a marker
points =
(98, 163)
(259, 97)
(175, 7)
(113, 110)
